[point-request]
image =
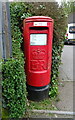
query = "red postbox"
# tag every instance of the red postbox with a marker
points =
(38, 34)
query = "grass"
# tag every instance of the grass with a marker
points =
(5, 114)
(47, 104)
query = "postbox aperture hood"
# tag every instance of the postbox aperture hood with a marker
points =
(39, 18)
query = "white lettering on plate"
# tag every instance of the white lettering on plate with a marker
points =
(40, 23)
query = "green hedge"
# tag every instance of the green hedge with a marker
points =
(14, 91)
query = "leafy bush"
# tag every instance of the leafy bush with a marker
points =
(14, 91)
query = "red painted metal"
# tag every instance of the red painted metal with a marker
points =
(38, 57)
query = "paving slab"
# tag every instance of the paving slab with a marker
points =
(66, 79)
(65, 96)
(66, 68)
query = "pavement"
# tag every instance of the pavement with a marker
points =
(66, 68)
(66, 80)
(65, 96)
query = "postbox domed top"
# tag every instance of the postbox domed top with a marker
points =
(38, 18)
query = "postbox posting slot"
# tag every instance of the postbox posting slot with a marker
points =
(38, 28)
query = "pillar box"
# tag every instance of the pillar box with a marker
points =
(38, 34)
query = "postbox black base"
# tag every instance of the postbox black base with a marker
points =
(37, 93)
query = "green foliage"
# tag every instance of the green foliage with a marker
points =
(19, 11)
(14, 91)
(46, 104)
(5, 114)
(56, 61)
(68, 7)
